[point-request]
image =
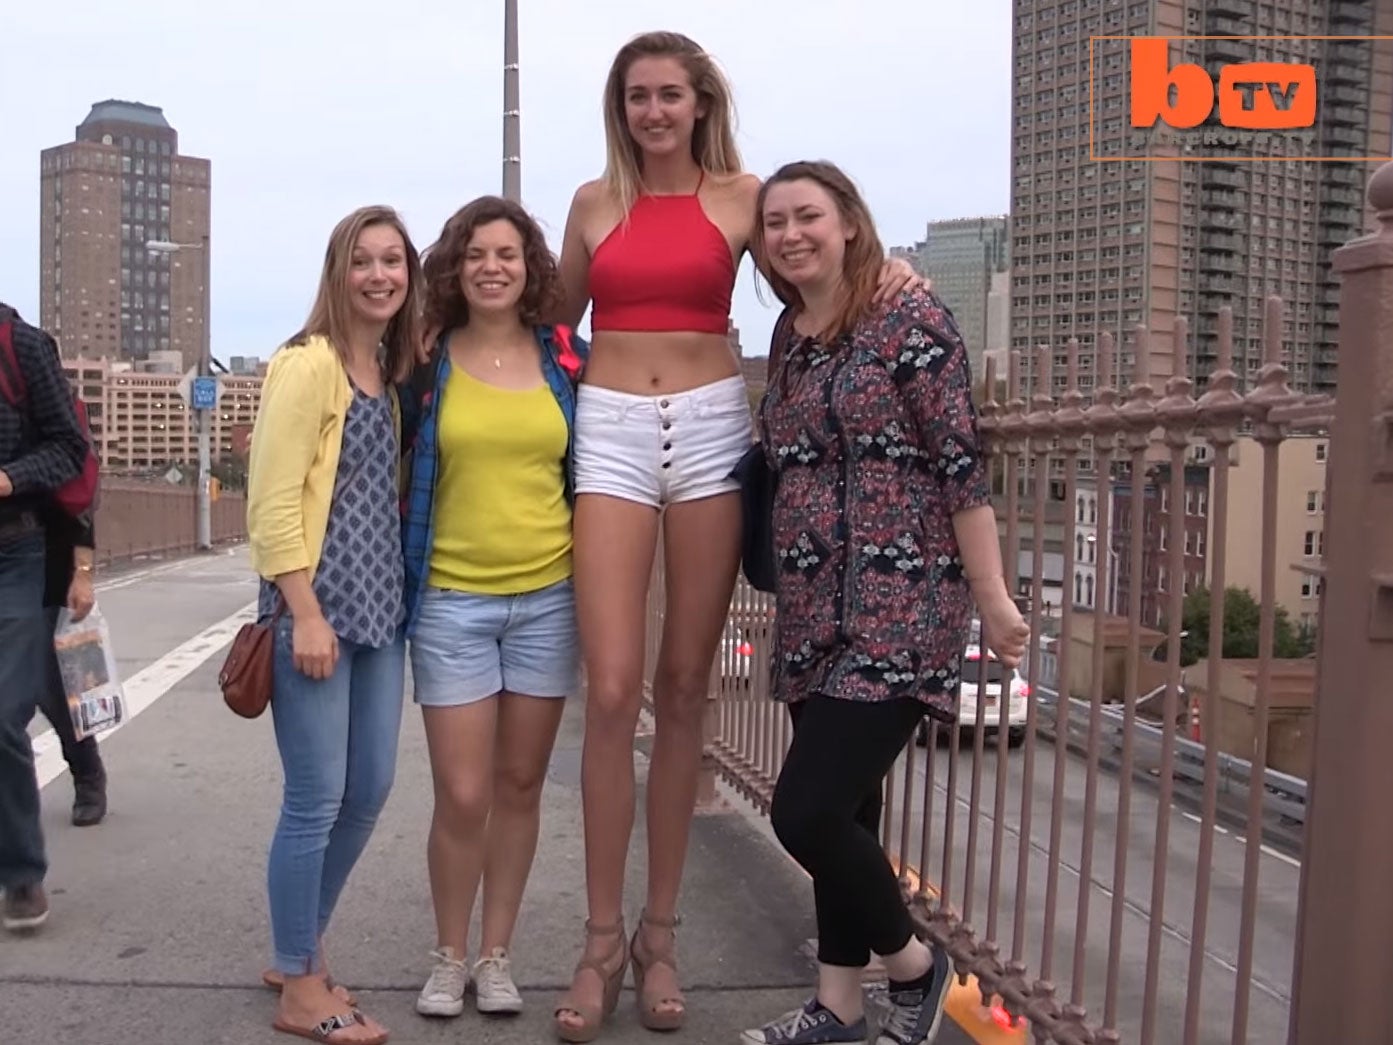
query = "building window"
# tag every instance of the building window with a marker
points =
(1320, 452)
(1310, 543)
(1312, 502)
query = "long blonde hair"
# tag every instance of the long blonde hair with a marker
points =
(329, 315)
(865, 255)
(713, 136)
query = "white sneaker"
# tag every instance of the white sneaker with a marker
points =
(443, 994)
(493, 983)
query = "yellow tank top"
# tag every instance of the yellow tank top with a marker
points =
(502, 524)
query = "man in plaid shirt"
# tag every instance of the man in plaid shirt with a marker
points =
(41, 448)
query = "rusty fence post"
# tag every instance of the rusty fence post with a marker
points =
(1345, 918)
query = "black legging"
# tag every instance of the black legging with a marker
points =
(826, 813)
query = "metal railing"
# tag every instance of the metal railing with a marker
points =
(1063, 876)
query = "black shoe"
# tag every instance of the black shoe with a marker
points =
(26, 908)
(916, 1010)
(89, 799)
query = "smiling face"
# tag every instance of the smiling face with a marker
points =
(805, 235)
(661, 108)
(377, 274)
(493, 274)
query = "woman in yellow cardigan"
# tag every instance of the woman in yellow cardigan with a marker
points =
(324, 525)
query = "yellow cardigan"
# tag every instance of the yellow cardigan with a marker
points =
(294, 456)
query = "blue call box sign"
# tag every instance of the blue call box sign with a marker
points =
(205, 393)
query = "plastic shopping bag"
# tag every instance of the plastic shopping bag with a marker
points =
(87, 665)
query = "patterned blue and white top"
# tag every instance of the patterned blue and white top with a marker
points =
(361, 574)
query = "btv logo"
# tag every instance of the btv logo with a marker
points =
(1264, 96)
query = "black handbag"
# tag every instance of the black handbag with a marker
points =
(758, 483)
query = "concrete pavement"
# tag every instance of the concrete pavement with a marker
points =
(159, 931)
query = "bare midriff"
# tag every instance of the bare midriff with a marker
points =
(658, 363)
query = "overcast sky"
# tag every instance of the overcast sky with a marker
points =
(309, 108)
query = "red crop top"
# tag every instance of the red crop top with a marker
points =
(670, 269)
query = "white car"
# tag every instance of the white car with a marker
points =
(1017, 694)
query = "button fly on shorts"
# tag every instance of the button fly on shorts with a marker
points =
(666, 416)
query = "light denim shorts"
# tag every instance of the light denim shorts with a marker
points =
(664, 449)
(468, 647)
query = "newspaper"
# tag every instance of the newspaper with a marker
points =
(87, 665)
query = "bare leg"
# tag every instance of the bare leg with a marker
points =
(614, 543)
(702, 555)
(526, 733)
(461, 744)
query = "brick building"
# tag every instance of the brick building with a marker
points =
(118, 185)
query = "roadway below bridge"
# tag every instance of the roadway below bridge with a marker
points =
(1274, 913)
(158, 933)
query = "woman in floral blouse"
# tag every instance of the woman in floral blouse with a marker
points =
(884, 537)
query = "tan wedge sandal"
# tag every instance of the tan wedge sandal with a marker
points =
(652, 1012)
(592, 1018)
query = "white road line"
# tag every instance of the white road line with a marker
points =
(126, 580)
(148, 685)
(1280, 856)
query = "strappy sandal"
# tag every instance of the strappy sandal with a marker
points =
(591, 1017)
(324, 1030)
(651, 1010)
(276, 981)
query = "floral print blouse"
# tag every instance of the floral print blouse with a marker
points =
(874, 445)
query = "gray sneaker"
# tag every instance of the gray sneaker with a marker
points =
(26, 907)
(914, 1016)
(495, 991)
(813, 1024)
(443, 994)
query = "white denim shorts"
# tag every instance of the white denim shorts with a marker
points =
(665, 449)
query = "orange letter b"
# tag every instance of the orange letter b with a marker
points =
(1152, 80)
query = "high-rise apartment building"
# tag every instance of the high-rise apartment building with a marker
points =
(1115, 226)
(963, 256)
(120, 184)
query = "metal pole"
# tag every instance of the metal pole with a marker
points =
(1345, 913)
(512, 116)
(204, 417)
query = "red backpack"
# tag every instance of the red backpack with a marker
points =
(79, 494)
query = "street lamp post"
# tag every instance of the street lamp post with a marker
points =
(512, 116)
(203, 420)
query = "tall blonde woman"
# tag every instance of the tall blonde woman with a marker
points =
(325, 530)
(661, 421)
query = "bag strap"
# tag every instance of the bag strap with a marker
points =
(12, 385)
(777, 341)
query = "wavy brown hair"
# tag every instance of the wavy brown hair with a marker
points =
(713, 135)
(329, 316)
(445, 304)
(865, 255)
